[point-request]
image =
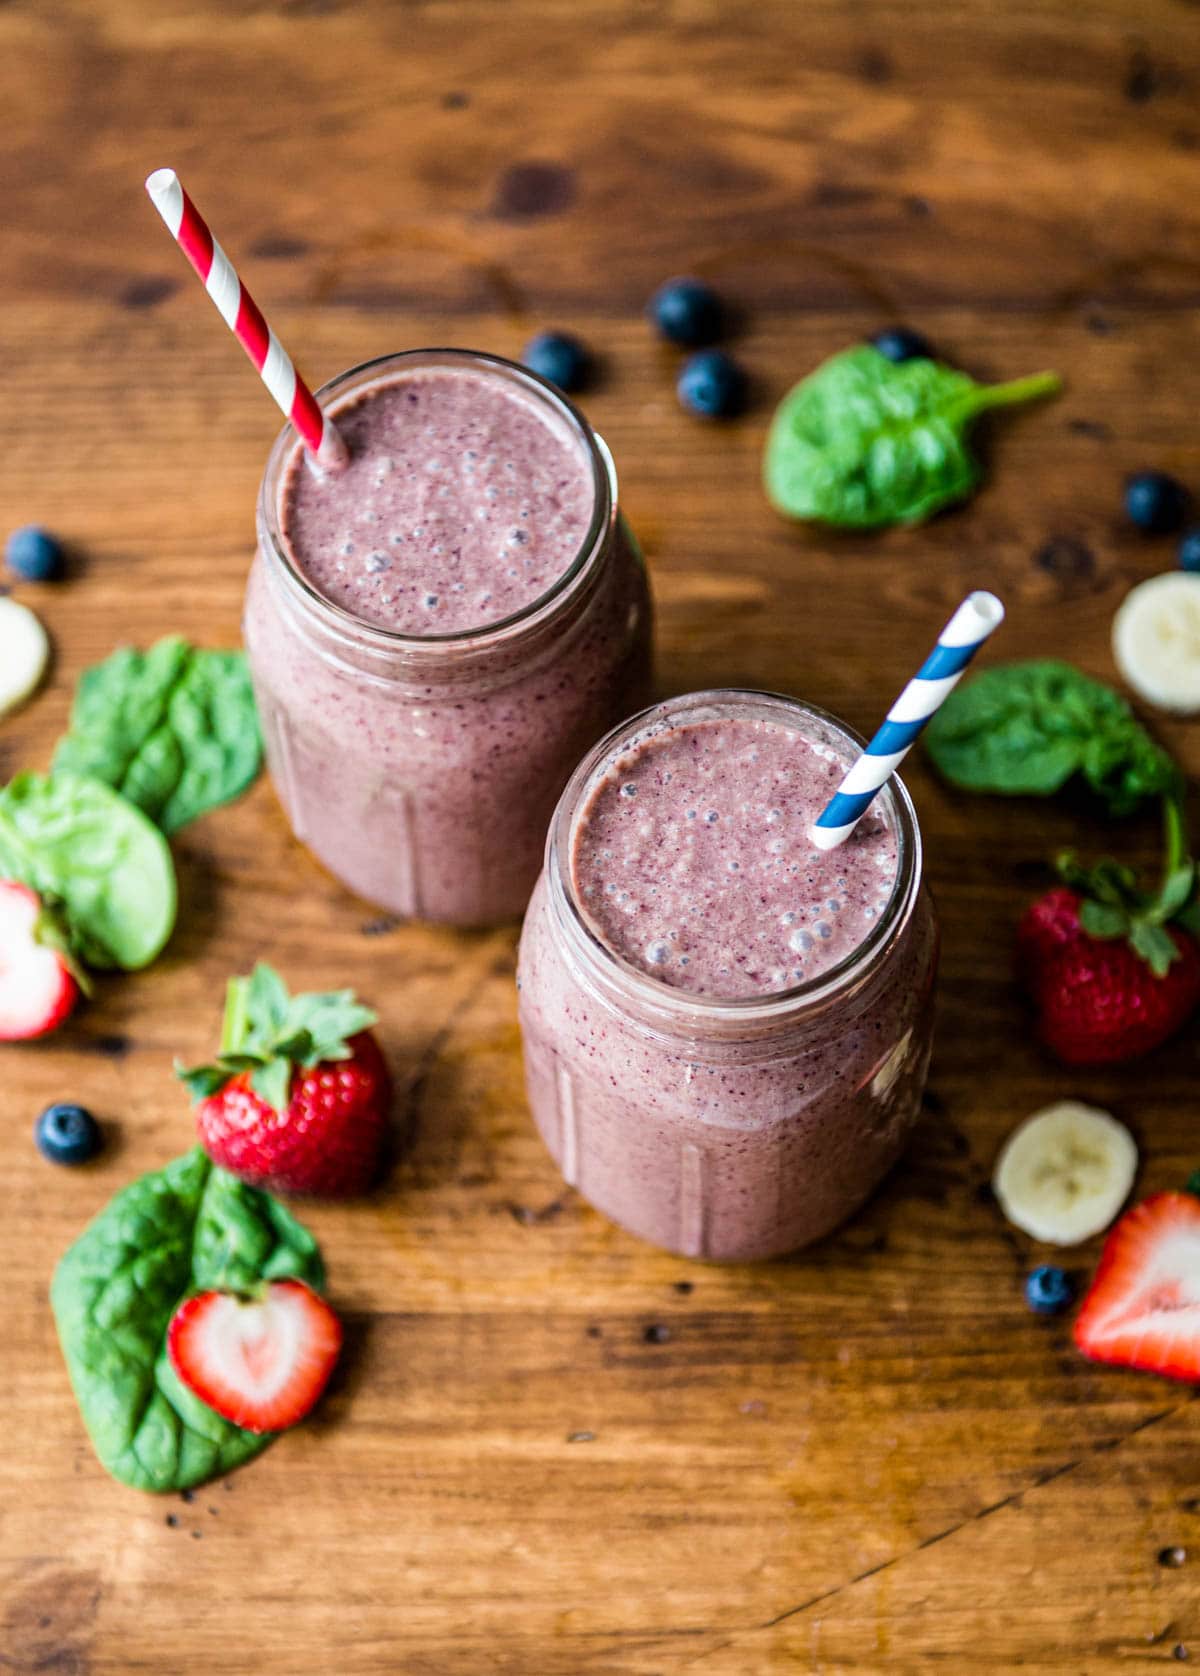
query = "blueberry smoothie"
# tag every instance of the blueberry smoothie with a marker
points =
(464, 501)
(439, 631)
(726, 1030)
(691, 860)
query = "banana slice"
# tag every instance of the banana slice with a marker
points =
(1156, 641)
(1065, 1172)
(24, 653)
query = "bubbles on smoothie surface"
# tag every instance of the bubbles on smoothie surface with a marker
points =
(465, 490)
(687, 857)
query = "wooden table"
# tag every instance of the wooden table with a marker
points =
(553, 1450)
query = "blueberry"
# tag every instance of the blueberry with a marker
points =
(558, 358)
(687, 311)
(1155, 502)
(1048, 1289)
(67, 1134)
(33, 554)
(901, 343)
(1189, 549)
(712, 385)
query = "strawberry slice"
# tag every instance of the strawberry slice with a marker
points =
(1143, 1309)
(260, 1362)
(37, 986)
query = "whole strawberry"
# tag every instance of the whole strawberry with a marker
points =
(298, 1098)
(1101, 1002)
(1109, 973)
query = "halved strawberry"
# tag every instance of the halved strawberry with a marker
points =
(37, 986)
(261, 1362)
(1143, 1309)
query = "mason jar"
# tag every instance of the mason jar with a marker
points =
(422, 769)
(714, 1128)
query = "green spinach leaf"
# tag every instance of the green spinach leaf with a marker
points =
(95, 859)
(174, 729)
(1025, 729)
(862, 442)
(186, 1228)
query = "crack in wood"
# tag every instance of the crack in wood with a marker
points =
(1016, 1498)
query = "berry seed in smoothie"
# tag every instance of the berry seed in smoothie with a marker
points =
(693, 863)
(464, 501)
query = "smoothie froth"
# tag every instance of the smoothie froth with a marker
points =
(692, 860)
(462, 504)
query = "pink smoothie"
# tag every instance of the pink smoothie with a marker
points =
(726, 1032)
(693, 863)
(463, 503)
(438, 634)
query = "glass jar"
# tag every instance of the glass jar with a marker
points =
(716, 1128)
(422, 770)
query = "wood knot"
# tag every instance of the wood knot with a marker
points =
(529, 191)
(1066, 559)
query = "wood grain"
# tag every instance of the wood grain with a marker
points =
(869, 1458)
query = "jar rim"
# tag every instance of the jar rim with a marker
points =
(349, 385)
(669, 1002)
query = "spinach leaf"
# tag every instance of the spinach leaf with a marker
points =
(1025, 729)
(174, 729)
(863, 441)
(188, 1227)
(95, 859)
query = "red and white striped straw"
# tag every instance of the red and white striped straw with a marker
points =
(241, 314)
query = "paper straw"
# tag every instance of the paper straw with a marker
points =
(241, 314)
(976, 618)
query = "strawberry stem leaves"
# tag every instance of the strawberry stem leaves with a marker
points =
(1114, 906)
(268, 1033)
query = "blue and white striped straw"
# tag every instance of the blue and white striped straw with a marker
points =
(977, 617)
